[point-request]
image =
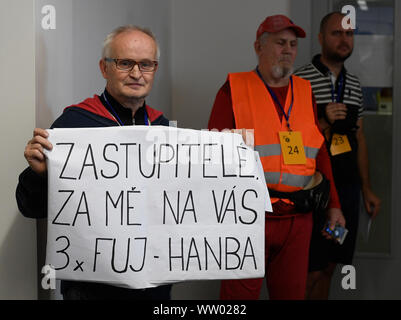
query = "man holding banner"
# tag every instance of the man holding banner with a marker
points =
(281, 110)
(129, 63)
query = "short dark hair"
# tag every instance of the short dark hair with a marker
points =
(326, 19)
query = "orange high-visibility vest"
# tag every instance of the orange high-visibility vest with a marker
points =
(254, 108)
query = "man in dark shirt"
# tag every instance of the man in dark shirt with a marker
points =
(129, 62)
(340, 107)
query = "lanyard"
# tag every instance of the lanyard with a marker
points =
(274, 97)
(339, 89)
(115, 115)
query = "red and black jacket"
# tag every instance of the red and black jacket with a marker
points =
(31, 193)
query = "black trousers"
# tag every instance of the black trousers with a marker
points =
(323, 251)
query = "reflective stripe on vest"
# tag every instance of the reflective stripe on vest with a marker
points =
(254, 109)
(275, 150)
(287, 179)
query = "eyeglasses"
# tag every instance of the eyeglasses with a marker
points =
(129, 64)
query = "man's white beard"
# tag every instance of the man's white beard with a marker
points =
(281, 72)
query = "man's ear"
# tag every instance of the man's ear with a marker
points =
(103, 68)
(257, 47)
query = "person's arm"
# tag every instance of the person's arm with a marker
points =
(334, 213)
(34, 151)
(334, 111)
(323, 165)
(371, 201)
(31, 192)
(222, 115)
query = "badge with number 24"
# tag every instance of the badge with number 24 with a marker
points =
(292, 147)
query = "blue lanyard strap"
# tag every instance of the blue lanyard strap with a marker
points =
(273, 95)
(112, 110)
(147, 123)
(339, 89)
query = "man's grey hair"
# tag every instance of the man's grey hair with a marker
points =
(262, 39)
(106, 51)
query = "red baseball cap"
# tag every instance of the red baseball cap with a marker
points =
(277, 23)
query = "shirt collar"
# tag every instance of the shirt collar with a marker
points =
(123, 113)
(323, 69)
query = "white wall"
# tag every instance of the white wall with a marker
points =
(300, 14)
(17, 112)
(210, 39)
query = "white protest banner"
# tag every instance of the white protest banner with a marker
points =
(142, 206)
